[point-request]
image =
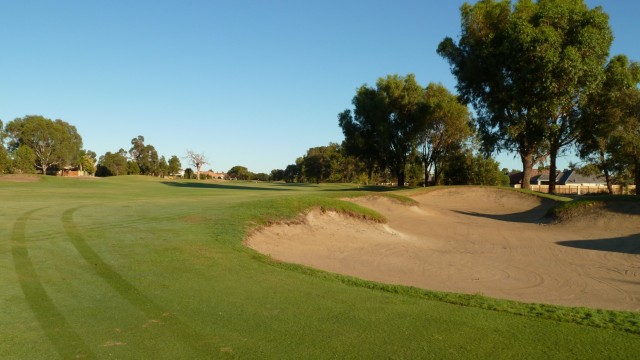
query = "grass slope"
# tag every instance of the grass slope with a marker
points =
(134, 267)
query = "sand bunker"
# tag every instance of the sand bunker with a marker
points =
(473, 240)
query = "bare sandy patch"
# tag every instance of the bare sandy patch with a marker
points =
(473, 240)
(19, 178)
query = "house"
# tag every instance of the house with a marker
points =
(572, 177)
(213, 175)
(515, 179)
(567, 182)
(73, 171)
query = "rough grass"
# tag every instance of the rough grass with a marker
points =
(134, 267)
(590, 204)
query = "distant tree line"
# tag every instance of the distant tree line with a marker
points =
(141, 159)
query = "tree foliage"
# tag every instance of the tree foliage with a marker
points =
(24, 160)
(239, 173)
(447, 124)
(463, 167)
(174, 165)
(606, 118)
(113, 164)
(145, 156)
(525, 69)
(52, 142)
(385, 123)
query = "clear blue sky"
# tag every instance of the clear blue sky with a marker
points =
(252, 83)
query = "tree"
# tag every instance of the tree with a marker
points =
(525, 70)
(276, 175)
(112, 164)
(321, 162)
(463, 167)
(197, 160)
(448, 123)
(385, 123)
(133, 168)
(174, 165)
(5, 160)
(604, 117)
(87, 161)
(291, 173)
(24, 159)
(52, 142)
(163, 167)
(240, 173)
(145, 156)
(626, 142)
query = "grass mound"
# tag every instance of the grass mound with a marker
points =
(595, 206)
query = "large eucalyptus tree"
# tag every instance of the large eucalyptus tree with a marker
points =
(526, 67)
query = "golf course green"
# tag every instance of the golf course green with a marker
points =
(136, 267)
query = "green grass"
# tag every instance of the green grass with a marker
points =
(134, 267)
(587, 204)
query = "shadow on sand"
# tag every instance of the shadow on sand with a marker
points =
(626, 245)
(537, 215)
(195, 185)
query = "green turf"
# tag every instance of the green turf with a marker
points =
(134, 267)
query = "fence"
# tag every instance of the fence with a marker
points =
(584, 189)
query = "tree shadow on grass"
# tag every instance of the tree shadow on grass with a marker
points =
(626, 245)
(194, 185)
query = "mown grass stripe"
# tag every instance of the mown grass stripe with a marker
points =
(130, 293)
(67, 343)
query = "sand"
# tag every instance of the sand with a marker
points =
(473, 240)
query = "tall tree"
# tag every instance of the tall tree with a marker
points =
(321, 162)
(525, 68)
(163, 167)
(174, 165)
(145, 156)
(447, 123)
(626, 142)
(197, 160)
(87, 162)
(24, 159)
(385, 124)
(5, 160)
(605, 117)
(52, 142)
(240, 173)
(112, 164)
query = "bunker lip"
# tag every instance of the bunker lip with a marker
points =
(473, 240)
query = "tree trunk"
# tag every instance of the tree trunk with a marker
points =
(553, 153)
(605, 170)
(401, 177)
(426, 172)
(607, 178)
(44, 169)
(527, 166)
(637, 176)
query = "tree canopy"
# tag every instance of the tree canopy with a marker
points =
(52, 142)
(385, 123)
(526, 68)
(605, 118)
(447, 124)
